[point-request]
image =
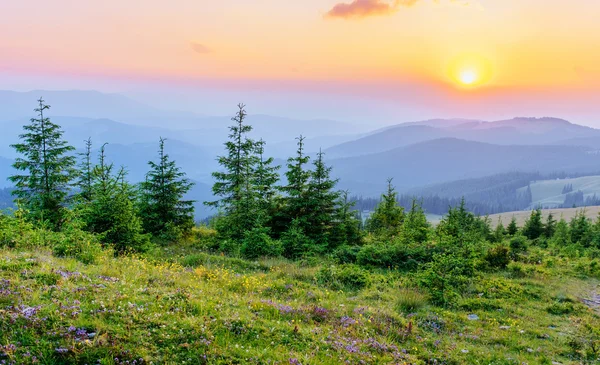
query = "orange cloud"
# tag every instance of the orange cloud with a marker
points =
(365, 8)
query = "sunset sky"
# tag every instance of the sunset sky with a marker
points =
(391, 58)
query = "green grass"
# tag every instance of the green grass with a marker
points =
(184, 306)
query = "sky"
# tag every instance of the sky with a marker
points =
(369, 61)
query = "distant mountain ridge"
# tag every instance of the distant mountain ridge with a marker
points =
(517, 131)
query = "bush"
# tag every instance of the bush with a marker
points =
(205, 237)
(347, 254)
(560, 308)
(518, 246)
(498, 257)
(393, 256)
(349, 277)
(446, 277)
(257, 243)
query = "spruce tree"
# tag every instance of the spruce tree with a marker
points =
(264, 179)
(388, 217)
(48, 170)
(499, 232)
(416, 227)
(549, 226)
(233, 184)
(346, 224)
(512, 228)
(85, 178)
(164, 210)
(112, 213)
(296, 190)
(321, 202)
(534, 227)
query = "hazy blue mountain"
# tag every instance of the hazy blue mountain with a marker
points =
(521, 131)
(453, 159)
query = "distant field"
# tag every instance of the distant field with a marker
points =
(567, 214)
(548, 193)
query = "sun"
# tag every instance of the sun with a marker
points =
(468, 77)
(470, 71)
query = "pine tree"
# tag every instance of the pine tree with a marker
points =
(346, 224)
(85, 178)
(388, 217)
(264, 179)
(416, 227)
(512, 228)
(296, 190)
(534, 227)
(111, 213)
(549, 226)
(233, 185)
(499, 232)
(164, 210)
(321, 202)
(48, 170)
(581, 229)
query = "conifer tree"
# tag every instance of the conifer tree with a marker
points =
(534, 227)
(265, 177)
(549, 226)
(499, 232)
(112, 213)
(296, 190)
(512, 228)
(321, 201)
(416, 227)
(388, 217)
(163, 208)
(233, 185)
(346, 224)
(48, 169)
(85, 179)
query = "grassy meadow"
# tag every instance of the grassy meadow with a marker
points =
(183, 305)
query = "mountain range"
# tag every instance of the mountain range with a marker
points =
(414, 154)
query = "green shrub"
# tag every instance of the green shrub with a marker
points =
(349, 277)
(347, 254)
(518, 246)
(560, 308)
(257, 243)
(446, 277)
(406, 257)
(498, 257)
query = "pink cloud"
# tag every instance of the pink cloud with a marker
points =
(365, 8)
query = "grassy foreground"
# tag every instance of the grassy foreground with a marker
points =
(190, 307)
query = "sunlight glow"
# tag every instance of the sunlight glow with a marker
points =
(468, 77)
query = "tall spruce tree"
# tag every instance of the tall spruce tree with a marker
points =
(86, 178)
(164, 210)
(48, 169)
(264, 179)
(233, 184)
(550, 226)
(296, 190)
(388, 217)
(321, 202)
